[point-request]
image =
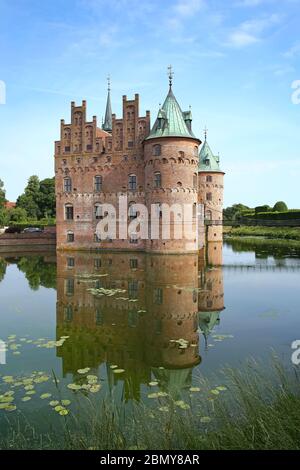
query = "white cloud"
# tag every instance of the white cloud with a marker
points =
(251, 32)
(293, 52)
(186, 8)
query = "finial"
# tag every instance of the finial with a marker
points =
(108, 82)
(170, 75)
(205, 133)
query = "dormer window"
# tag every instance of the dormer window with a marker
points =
(207, 161)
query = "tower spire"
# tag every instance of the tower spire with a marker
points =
(170, 75)
(107, 126)
(205, 133)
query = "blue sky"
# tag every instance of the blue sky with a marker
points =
(234, 63)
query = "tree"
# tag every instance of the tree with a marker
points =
(264, 208)
(230, 213)
(38, 198)
(280, 206)
(47, 198)
(29, 200)
(17, 214)
(2, 194)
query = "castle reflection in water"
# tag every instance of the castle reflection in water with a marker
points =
(151, 301)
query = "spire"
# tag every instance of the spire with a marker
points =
(205, 133)
(107, 126)
(171, 121)
(207, 160)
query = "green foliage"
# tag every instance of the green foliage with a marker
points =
(37, 272)
(292, 214)
(2, 194)
(264, 208)
(280, 206)
(267, 232)
(38, 198)
(231, 213)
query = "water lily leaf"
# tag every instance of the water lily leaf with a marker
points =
(66, 402)
(118, 371)
(74, 387)
(54, 403)
(45, 395)
(195, 389)
(84, 371)
(221, 388)
(26, 398)
(95, 388)
(215, 392)
(64, 412)
(59, 408)
(10, 408)
(205, 419)
(29, 387)
(153, 384)
(164, 409)
(31, 392)
(113, 366)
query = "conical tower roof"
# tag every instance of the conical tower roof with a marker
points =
(207, 160)
(171, 121)
(107, 125)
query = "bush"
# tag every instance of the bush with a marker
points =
(280, 206)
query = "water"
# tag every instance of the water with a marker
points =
(120, 315)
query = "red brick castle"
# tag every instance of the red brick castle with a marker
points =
(152, 167)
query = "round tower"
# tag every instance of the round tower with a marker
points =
(211, 189)
(171, 162)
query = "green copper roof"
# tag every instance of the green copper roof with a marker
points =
(207, 160)
(107, 126)
(171, 121)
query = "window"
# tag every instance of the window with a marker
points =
(158, 296)
(99, 317)
(194, 210)
(195, 181)
(69, 212)
(133, 238)
(132, 211)
(133, 318)
(98, 212)
(67, 185)
(70, 237)
(133, 263)
(132, 289)
(130, 144)
(157, 150)
(69, 286)
(97, 263)
(132, 183)
(67, 149)
(157, 179)
(208, 215)
(98, 183)
(207, 161)
(68, 313)
(89, 147)
(196, 151)
(209, 196)
(70, 262)
(209, 179)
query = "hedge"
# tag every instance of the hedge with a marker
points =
(291, 214)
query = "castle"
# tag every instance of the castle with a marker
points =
(153, 167)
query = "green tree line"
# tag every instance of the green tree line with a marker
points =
(35, 203)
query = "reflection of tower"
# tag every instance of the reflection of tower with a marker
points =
(172, 302)
(147, 302)
(211, 290)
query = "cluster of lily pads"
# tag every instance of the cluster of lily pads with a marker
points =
(219, 338)
(24, 386)
(14, 344)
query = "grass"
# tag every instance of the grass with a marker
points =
(254, 412)
(285, 233)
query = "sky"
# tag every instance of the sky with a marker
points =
(235, 62)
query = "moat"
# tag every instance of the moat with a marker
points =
(136, 326)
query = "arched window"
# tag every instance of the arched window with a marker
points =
(209, 196)
(209, 179)
(98, 211)
(69, 212)
(157, 150)
(208, 215)
(67, 185)
(98, 183)
(194, 210)
(132, 183)
(157, 179)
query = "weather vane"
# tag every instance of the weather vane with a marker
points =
(170, 75)
(205, 132)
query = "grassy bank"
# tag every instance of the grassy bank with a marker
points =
(284, 233)
(250, 412)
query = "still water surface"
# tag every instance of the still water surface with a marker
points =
(125, 321)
